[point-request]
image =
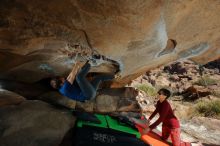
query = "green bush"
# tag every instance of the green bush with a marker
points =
(208, 109)
(205, 81)
(148, 89)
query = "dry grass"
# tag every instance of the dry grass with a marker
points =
(208, 109)
(148, 89)
(206, 81)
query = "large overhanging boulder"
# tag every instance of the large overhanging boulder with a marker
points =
(36, 37)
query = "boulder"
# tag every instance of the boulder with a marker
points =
(112, 100)
(194, 92)
(34, 123)
(10, 98)
(54, 97)
(106, 103)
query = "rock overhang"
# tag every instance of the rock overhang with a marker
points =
(36, 36)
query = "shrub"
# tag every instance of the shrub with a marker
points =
(205, 81)
(208, 109)
(148, 89)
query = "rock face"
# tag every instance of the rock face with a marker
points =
(9, 98)
(113, 100)
(36, 37)
(33, 123)
(198, 127)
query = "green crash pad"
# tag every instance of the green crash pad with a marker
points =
(116, 125)
(109, 122)
(102, 119)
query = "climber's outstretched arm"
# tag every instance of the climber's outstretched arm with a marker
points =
(71, 77)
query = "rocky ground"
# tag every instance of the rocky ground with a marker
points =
(191, 84)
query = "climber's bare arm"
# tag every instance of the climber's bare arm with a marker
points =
(76, 67)
(71, 77)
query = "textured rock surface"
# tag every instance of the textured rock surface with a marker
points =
(36, 36)
(33, 123)
(198, 127)
(106, 103)
(112, 100)
(56, 98)
(9, 98)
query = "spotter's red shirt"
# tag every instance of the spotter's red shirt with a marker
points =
(167, 116)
